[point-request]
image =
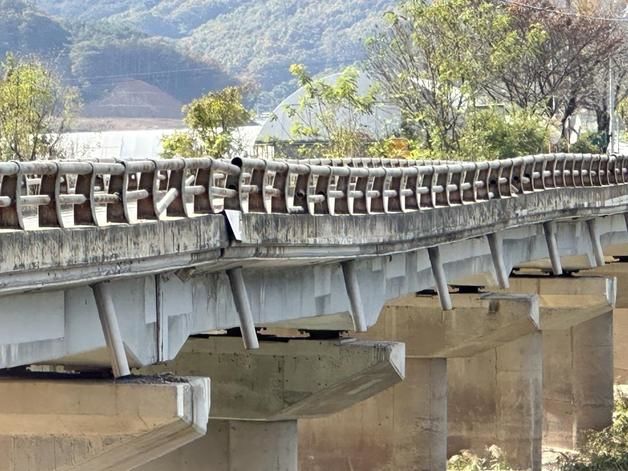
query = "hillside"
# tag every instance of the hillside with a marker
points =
(255, 40)
(24, 29)
(98, 56)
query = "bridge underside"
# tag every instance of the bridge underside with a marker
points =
(158, 312)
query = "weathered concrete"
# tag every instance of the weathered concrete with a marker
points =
(479, 322)
(232, 445)
(94, 252)
(618, 270)
(577, 381)
(495, 397)
(575, 335)
(300, 286)
(58, 424)
(566, 302)
(405, 427)
(284, 380)
(288, 378)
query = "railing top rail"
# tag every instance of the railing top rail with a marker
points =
(77, 193)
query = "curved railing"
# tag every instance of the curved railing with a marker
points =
(67, 194)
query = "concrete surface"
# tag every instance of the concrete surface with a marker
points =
(405, 427)
(570, 356)
(288, 378)
(232, 445)
(60, 424)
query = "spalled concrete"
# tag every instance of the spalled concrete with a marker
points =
(61, 424)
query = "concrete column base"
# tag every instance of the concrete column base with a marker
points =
(236, 445)
(577, 381)
(402, 428)
(496, 398)
(618, 270)
(82, 425)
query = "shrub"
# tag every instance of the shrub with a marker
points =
(603, 451)
(591, 143)
(494, 460)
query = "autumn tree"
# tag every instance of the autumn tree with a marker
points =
(568, 70)
(35, 107)
(436, 60)
(212, 121)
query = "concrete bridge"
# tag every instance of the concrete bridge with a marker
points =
(145, 264)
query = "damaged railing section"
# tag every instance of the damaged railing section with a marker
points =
(66, 194)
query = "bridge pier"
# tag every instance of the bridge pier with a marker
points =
(259, 395)
(495, 398)
(59, 422)
(405, 427)
(578, 381)
(232, 445)
(570, 356)
(619, 270)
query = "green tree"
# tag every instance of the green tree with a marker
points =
(437, 59)
(331, 114)
(498, 133)
(35, 108)
(212, 121)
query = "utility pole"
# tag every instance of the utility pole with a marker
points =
(611, 108)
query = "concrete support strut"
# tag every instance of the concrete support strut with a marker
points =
(496, 244)
(111, 329)
(594, 234)
(355, 298)
(552, 247)
(243, 306)
(440, 279)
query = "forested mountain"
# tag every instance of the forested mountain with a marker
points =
(27, 30)
(98, 55)
(253, 40)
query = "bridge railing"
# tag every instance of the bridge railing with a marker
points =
(67, 194)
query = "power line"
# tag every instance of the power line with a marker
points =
(131, 75)
(557, 11)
